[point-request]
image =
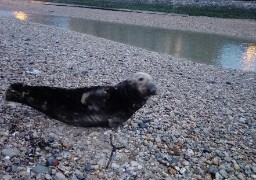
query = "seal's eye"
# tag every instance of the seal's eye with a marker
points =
(141, 79)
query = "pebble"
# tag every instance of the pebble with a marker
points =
(79, 174)
(53, 171)
(158, 139)
(215, 161)
(190, 152)
(39, 177)
(52, 162)
(218, 176)
(228, 159)
(182, 170)
(223, 173)
(17, 161)
(40, 169)
(7, 177)
(241, 176)
(171, 171)
(10, 152)
(87, 167)
(7, 157)
(208, 177)
(185, 163)
(48, 176)
(253, 169)
(134, 163)
(207, 151)
(60, 176)
(177, 168)
(142, 125)
(236, 166)
(101, 162)
(213, 169)
(115, 166)
(67, 145)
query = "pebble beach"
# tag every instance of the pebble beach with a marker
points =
(200, 125)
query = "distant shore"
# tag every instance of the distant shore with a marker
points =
(230, 27)
(216, 8)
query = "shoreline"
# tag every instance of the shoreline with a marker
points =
(242, 28)
(200, 125)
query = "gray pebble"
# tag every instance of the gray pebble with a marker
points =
(253, 169)
(10, 152)
(241, 176)
(115, 166)
(182, 170)
(53, 171)
(48, 176)
(190, 152)
(213, 169)
(253, 176)
(60, 176)
(228, 159)
(223, 173)
(7, 177)
(79, 174)
(40, 169)
(87, 167)
(158, 139)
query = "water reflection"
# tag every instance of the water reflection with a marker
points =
(203, 48)
(250, 58)
(21, 15)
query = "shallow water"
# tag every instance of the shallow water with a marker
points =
(204, 48)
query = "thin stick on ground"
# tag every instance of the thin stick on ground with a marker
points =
(114, 148)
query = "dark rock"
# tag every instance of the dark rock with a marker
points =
(213, 169)
(206, 151)
(52, 162)
(211, 82)
(31, 151)
(17, 161)
(186, 157)
(174, 161)
(42, 144)
(146, 120)
(142, 125)
(87, 167)
(8, 168)
(163, 161)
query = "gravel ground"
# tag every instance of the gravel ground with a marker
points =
(201, 124)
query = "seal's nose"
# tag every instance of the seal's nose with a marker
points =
(152, 89)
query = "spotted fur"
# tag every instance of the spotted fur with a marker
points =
(87, 106)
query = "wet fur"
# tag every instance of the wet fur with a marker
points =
(88, 106)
